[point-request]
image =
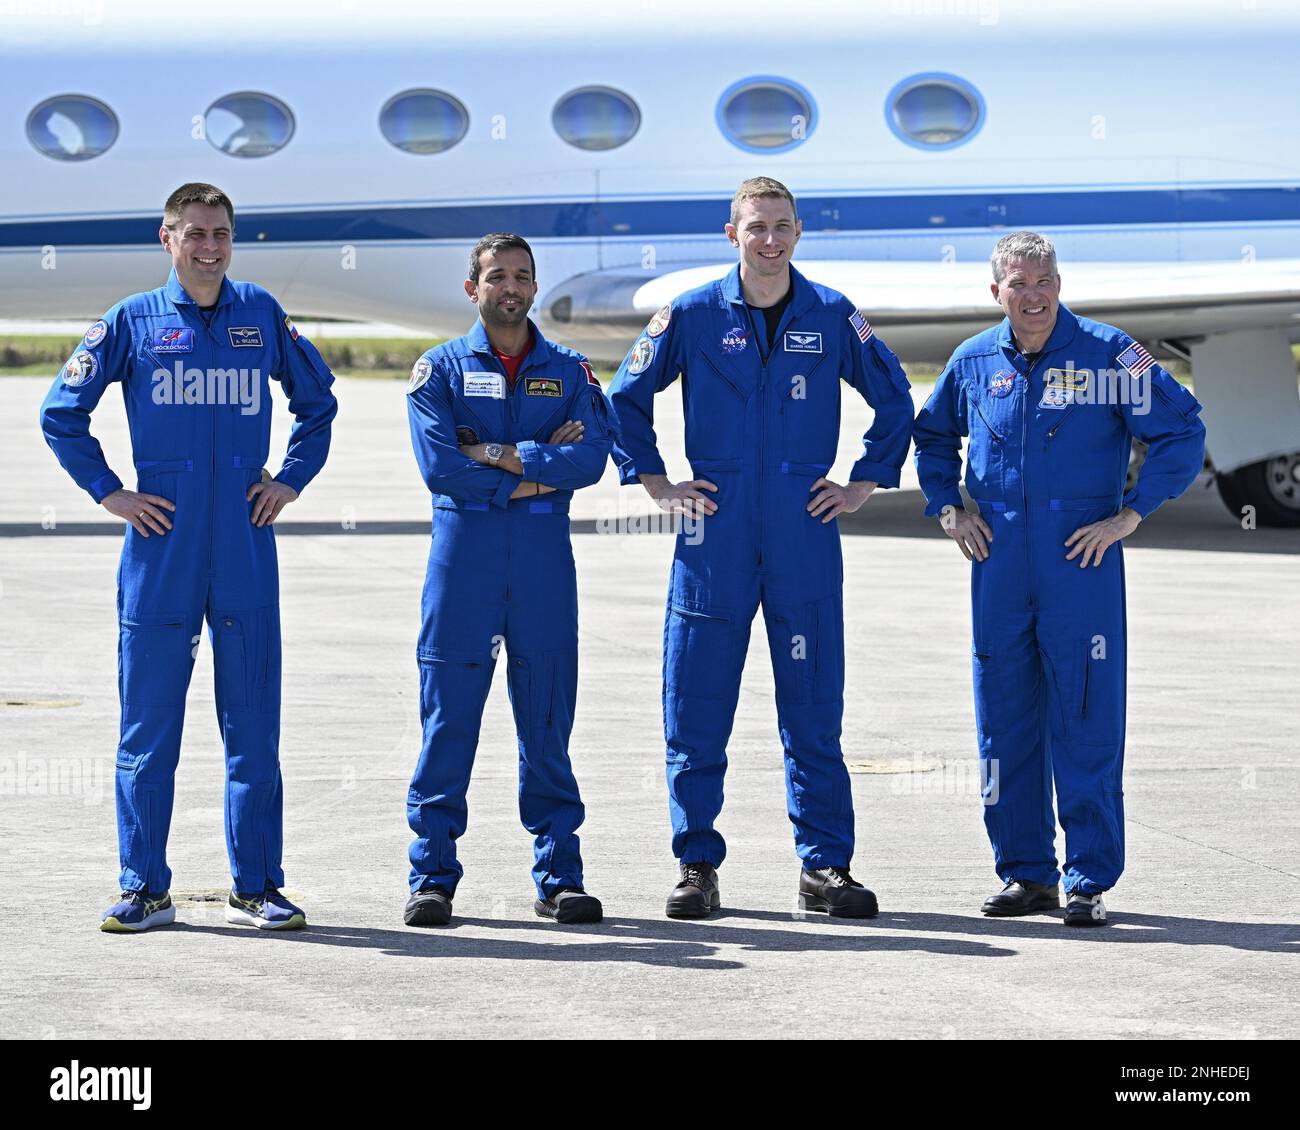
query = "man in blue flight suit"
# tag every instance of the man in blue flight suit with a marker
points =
(761, 354)
(194, 358)
(506, 426)
(1051, 403)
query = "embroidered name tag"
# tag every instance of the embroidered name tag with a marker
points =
(1073, 379)
(802, 342)
(484, 384)
(245, 337)
(543, 386)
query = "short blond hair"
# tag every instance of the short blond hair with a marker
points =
(756, 188)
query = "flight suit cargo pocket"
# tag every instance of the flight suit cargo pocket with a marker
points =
(230, 654)
(531, 682)
(154, 659)
(807, 647)
(698, 643)
(991, 713)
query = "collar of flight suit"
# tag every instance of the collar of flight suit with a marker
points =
(540, 354)
(178, 295)
(1067, 325)
(802, 296)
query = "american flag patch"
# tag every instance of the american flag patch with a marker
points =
(1136, 360)
(591, 377)
(860, 326)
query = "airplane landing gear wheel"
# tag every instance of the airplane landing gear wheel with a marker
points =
(1272, 487)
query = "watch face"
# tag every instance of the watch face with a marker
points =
(494, 451)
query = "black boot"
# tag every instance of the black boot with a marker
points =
(1019, 897)
(1085, 910)
(833, 891)
(696, 896)
(429, 906)
(570, 905)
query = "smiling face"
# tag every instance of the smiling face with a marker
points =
(505, 289)
(766, 231)
(199, 244)
(1030, 293)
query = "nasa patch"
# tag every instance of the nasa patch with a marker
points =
(734, 340)
(245, 337)
(659, 322)
(172, 339)
(1002, 383)
(421, 371)
(96, 333)
(81, 367)
(802, 342)
(643, 352)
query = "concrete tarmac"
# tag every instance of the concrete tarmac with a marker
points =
(1205, 938)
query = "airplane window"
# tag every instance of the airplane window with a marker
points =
(249, 124)
(596, 117)
(423, 121)
(934, 111)
(72, 127)
(766, 115)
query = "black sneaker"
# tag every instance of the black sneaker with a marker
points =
(1085, 910)
(1019, 897)
(697, 895)
(833, 891)
(429, 906)
(570, 905)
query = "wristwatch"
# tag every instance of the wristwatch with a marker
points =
(494, 451)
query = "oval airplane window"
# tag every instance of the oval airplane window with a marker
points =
(596, 117)
(934, 111)
(72, 127)
(766, 115)
(248, 124)
(423, 121)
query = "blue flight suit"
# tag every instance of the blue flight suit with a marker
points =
(500, 572)
(199, 412)
(762, 423)
(1049, 452)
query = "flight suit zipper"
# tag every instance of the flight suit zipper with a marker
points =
(513, 413)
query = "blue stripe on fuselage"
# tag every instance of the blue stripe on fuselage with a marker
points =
(633, 218)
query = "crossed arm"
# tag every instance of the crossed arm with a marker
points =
(571, 431)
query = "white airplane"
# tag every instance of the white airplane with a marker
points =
(366, 146)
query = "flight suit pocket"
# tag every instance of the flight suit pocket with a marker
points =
(810, 417)
(532, 688)
(1100, 713)
(807, 647)
(230, 660)
(991, 714)
(715, 407)
(154, 659)
(697, 649)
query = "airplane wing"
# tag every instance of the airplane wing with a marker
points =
(1234, 321)
(924, 309)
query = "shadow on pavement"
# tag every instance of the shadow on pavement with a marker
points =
(663, 942)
